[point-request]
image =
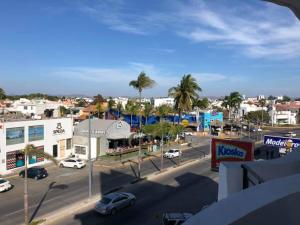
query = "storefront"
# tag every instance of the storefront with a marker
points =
(53, 136)
(106, 136)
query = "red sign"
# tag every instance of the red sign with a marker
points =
(224, 150)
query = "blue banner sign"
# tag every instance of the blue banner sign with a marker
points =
(281, 142)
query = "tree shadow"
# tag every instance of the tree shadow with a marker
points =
(50, 187)
(155, 166)
(188, 192)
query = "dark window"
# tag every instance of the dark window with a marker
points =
(54, 151)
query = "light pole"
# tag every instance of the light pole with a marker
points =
(89, 158)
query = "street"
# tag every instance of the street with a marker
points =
(185, 189)
(66, 185)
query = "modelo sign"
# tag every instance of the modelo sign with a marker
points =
(281, 142)
(223, 150)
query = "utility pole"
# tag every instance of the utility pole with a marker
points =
(89, 158)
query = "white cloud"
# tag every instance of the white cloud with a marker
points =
(256, 30)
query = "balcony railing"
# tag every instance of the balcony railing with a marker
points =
(250, 177)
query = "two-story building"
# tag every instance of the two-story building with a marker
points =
(53, 136)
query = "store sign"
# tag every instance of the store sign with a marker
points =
(281, 142)
(119, 125)
(58, 130)
(223, 150)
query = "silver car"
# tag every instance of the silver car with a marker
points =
(113, 202)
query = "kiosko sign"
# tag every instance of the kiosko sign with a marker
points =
(281, 142)
(230, 150)
(59, 129)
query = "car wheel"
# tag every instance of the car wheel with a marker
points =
(76, 167)
(36, 178)
(61, 165)
(113, 211)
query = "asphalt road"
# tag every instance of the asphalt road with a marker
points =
(185, 189)
(66, 185)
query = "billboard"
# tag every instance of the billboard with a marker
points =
(224, 150)
(14, 135)
(36, 133)
(281, 142)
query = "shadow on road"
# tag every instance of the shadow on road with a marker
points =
(187, 193)
(51, 187)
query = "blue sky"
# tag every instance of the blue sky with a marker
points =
(98, 46)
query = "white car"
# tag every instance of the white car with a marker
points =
(172, 153)
(290, 134)
(4, 185)
(72, 163)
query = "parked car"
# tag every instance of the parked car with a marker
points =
(35, 172)
(290, 134)
(172, 153)
(72, 163)
(4, 185)
(111, 203)
(175, 218)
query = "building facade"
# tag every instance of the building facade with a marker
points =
(163, 101)
(53, 136)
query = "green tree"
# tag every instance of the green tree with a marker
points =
(271, 97)
(163, 110)
(29, 151)
(111, 103)
(99, 110)
(262, 103)
(185, 94)
(120, 108)
(232, 102)
(2, 94)
(132, 108)
(148, 109)
(142, 82)
(80, 103)
(255, 115)
(201, 103)
(62, 111)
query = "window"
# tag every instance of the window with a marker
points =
(14, 135)
(36, 133)
(69, 143)
(80, 150)
(25, 107)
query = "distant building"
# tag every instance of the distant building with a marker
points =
(286, 113)
(260, 97)
(122, 100)
(163, 101)
(208, 119)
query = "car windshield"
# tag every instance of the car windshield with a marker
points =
(105, 200)
(79, 160)
(2, 181)
(171, 151)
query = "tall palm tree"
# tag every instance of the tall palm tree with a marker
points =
(111, 104)
(142, 82)
(148, 109)
(31, 150)
(132, 108)
(185, 94)
(233, 101)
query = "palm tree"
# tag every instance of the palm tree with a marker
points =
(31, 150)
(233, 101)
(111, 103)
(142, 82)
(262, 103)
(185, 94)
(148, 109)
(132, 109)
(119, 108)
(98, 109)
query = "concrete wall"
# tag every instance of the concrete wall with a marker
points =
(231, 174)
(274, 202)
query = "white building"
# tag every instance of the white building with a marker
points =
(122, 100)
(53, 136)
(260, 97)
(34, 107)
(163, 101)
(245, 108)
